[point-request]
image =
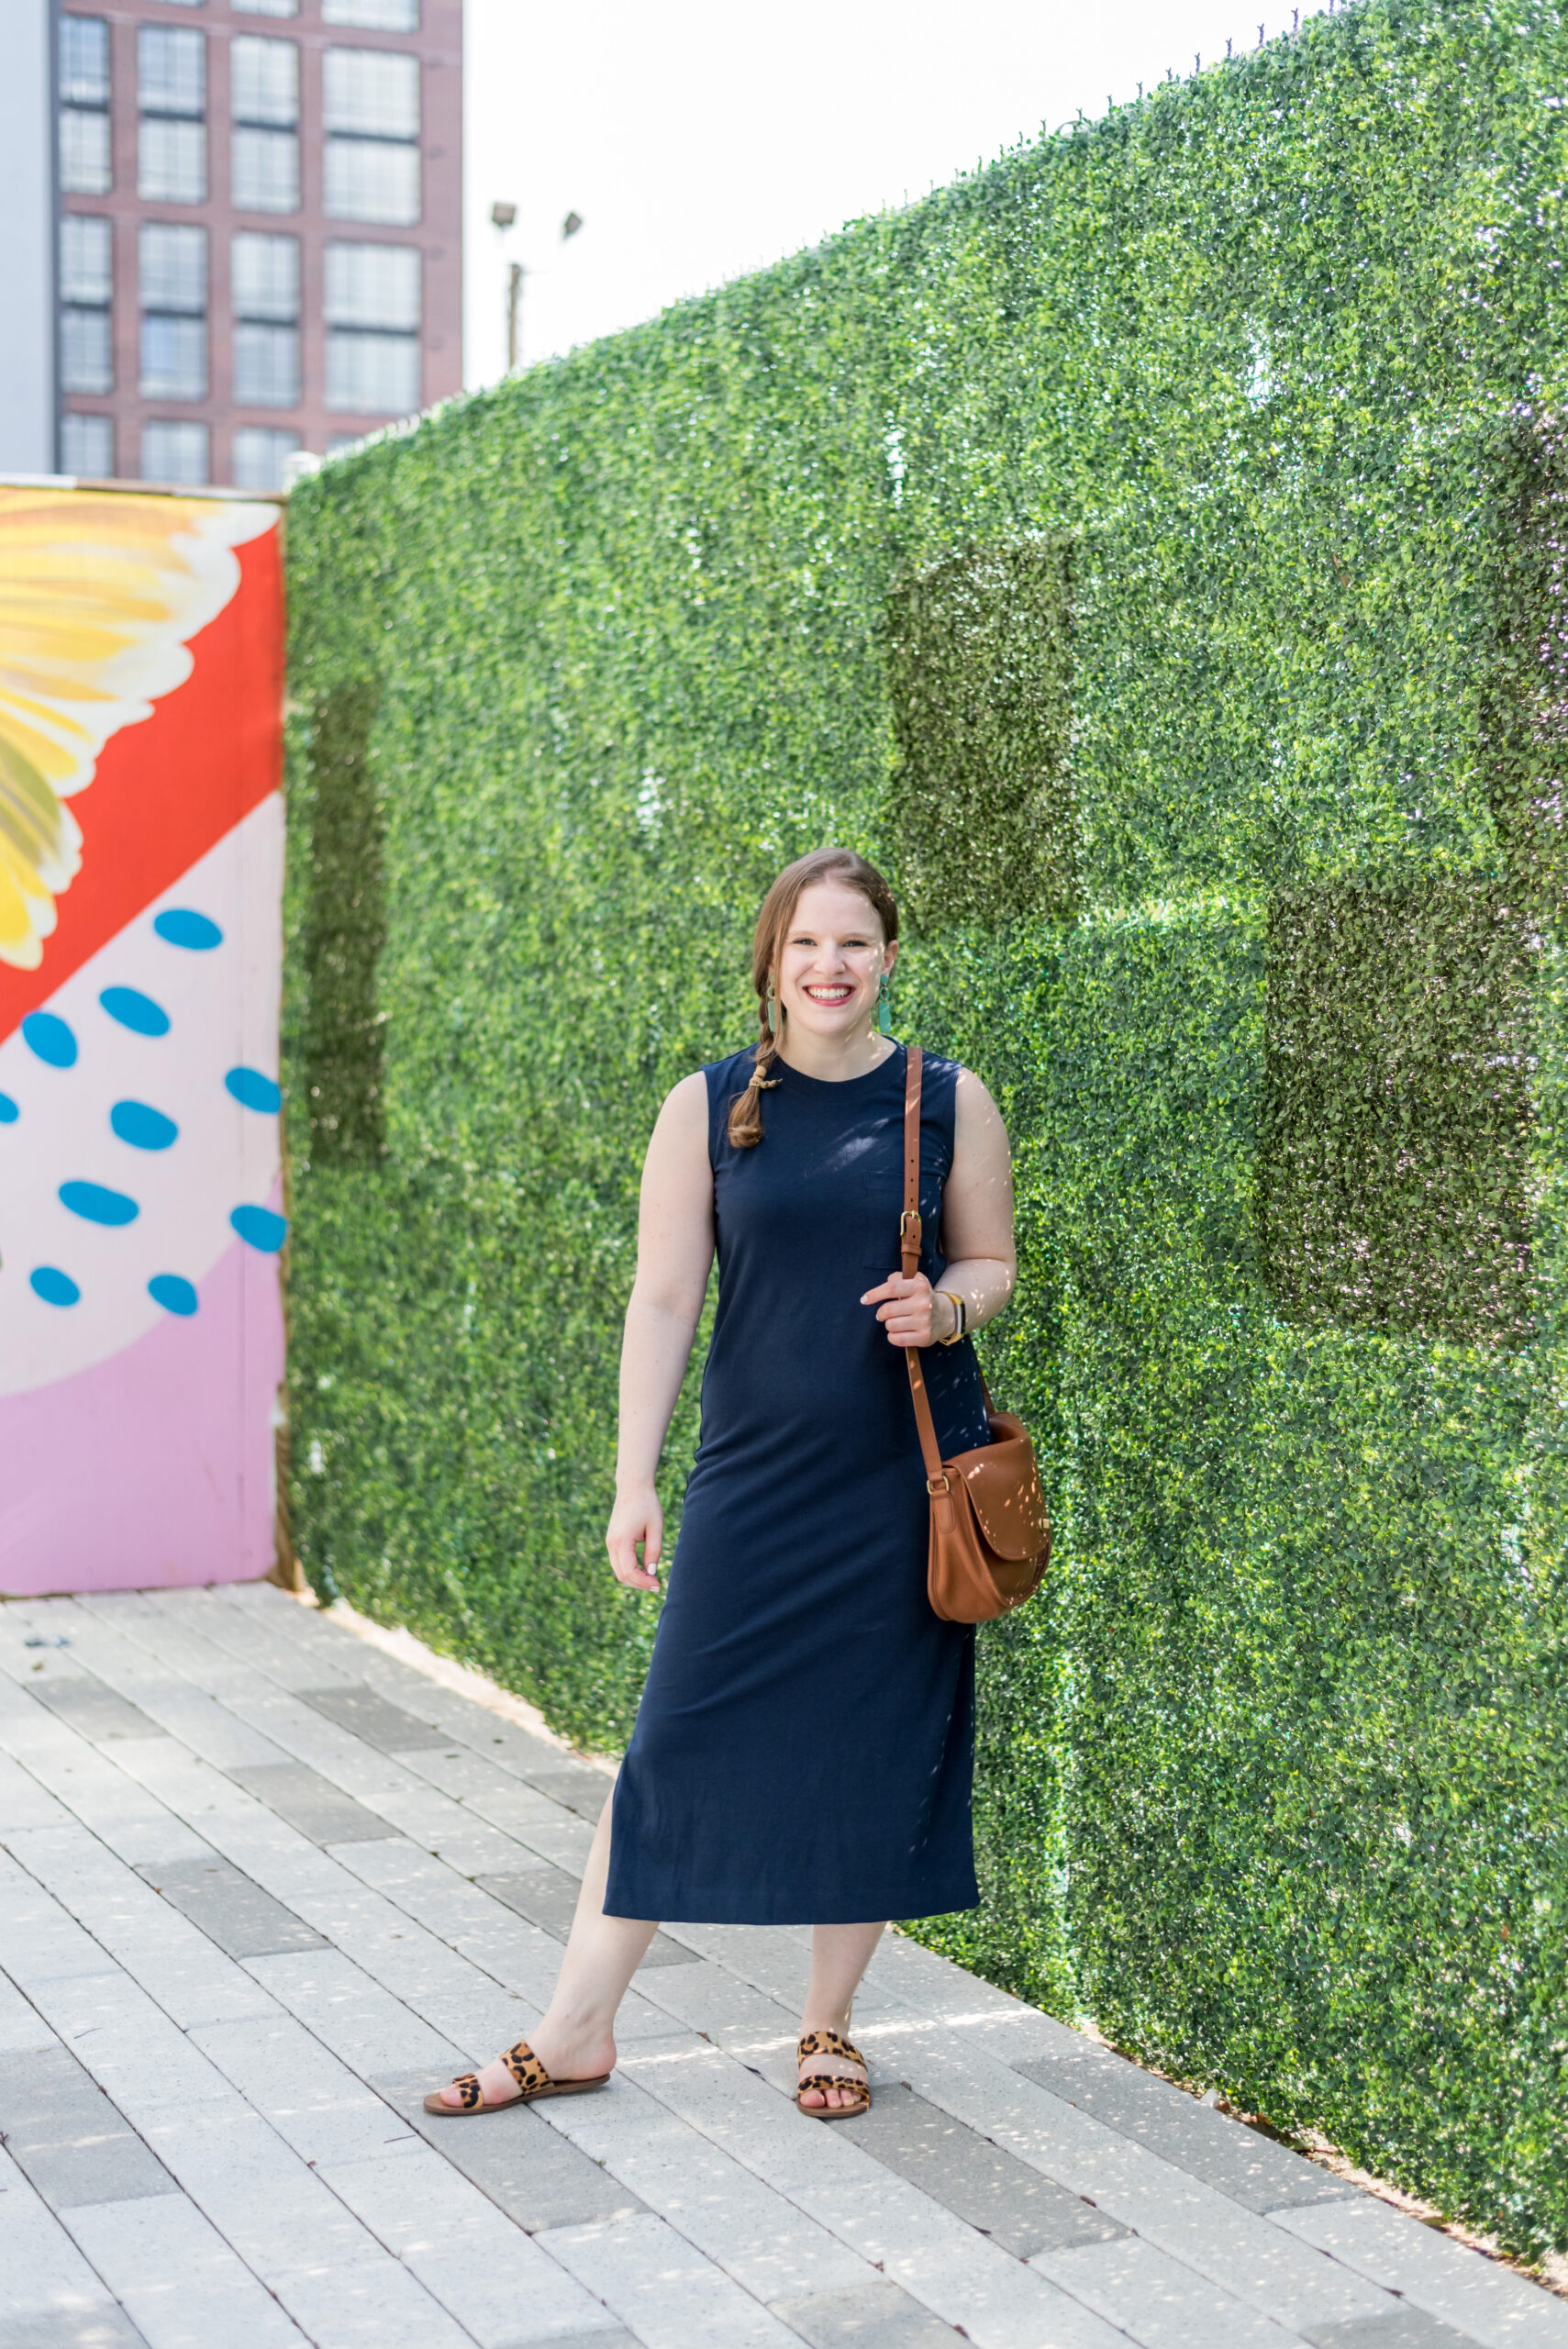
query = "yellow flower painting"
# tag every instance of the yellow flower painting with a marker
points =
(99, 592)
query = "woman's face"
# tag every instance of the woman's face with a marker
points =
(831, 962)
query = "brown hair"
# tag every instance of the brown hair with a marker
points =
(772, 926)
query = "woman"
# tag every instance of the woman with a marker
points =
(803, 1750)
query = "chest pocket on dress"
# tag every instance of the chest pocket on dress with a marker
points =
(884, 1189)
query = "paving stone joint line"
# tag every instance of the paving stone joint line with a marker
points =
(270, 1878)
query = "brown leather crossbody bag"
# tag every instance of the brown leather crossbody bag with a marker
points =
(990, 1536)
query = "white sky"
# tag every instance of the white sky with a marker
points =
(698, 140)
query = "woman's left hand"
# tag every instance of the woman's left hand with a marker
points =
(909, 1311)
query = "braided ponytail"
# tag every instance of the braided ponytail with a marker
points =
(746, 1109)
(772, 927)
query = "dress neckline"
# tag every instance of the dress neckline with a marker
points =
(838, 1083)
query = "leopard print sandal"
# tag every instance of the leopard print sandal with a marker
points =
(832, 2043)
(533, 2081)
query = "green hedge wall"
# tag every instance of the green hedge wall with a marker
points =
(1150, 549)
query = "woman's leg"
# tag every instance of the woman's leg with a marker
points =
(840, 1955)
(575, 2039)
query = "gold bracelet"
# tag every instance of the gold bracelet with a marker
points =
(960, 1316)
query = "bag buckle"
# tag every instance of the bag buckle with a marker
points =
(938, 1484)
(910, 1216)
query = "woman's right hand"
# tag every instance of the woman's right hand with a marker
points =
(635, 1517)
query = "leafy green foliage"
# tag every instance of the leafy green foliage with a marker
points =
(980, 675)
(1394, 1161)
(1274, 1781)
(345, 927)
(1525, 711)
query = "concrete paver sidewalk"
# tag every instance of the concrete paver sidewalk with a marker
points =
(263, 1883)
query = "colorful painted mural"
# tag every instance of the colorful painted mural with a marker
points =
(142, 1218)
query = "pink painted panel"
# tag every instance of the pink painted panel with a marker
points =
(141, 1329)
(154, 1468)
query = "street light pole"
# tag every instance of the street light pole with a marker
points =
(504, 217)
(514, 303)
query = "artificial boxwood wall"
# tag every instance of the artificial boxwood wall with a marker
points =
(1149, 549)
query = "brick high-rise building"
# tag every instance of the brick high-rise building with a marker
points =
(258, 237)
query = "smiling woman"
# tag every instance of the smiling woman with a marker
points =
(802, 1750)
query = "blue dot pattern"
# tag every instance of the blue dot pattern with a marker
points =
(54, 1287)
(96, 1205)
(143, 1128)
(173, 1294)
(260, 1227)
(8, 1110)
(253, 1090)
(180, 926)
(51, 1038)
(133, 1011)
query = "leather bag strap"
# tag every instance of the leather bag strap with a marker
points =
(909, 1256)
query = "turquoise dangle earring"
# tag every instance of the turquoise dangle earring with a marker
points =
(772, 1010)
(883, 1024)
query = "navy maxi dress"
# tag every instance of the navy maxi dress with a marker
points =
(803, 1750)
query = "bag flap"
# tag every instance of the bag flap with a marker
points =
(1003, 1484)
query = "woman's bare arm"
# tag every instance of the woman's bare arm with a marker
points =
(674, 1252)
(977, 1231)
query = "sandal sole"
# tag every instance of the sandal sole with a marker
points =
(509, 2104)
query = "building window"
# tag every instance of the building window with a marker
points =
(86, 260)
(373, 374)
(171, 164)
(86, 276)
(373, 181)
(86, 354)
(174, 359)
(170, 71)
(85, 152)
(171, 161)
(171, 265)
(87, 358)
(265, 8)
(264, 81)
(264, 274)
(373, 286)
(264, 166)
(173, 270)
(84, 61)
(373, 92)
(259, 453)
(265, 271)
(372, 16)
(175, 453)
(87, 446)
(264, 103)
(266, 366)
(372, 318)
(85, 158)
(371, 111)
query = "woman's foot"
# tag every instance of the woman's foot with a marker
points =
(564, 2054)
(853, 2076)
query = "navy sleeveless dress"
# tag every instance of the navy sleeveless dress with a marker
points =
(802, 1750)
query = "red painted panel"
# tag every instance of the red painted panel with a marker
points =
(167, 790)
